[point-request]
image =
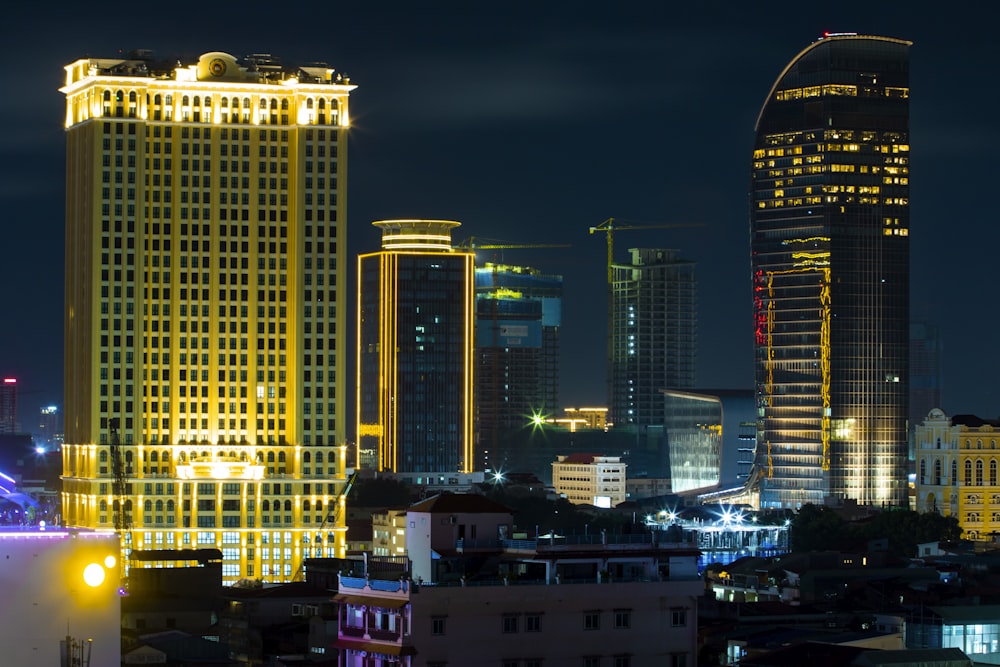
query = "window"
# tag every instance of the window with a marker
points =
(678, 617)
(437, 625)
(533, 623)
(509, 623)
(678, 660)
(623, 619)
(623, 661)
(591, 620)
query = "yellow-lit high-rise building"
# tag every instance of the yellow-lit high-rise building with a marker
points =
(205, 297)
(415, 353)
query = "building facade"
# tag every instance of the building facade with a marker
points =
(829, 226)
(693, 429)
(653, 334)
(204, 334)
(8, 405)
(590, 479)
(415, 351)
(957, 471)
(518, 316)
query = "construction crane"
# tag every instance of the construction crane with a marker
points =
(119, 484)
(332, 516)
(609, 227)
(472, 244)
(612, 225)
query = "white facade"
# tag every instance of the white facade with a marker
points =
(588, 479)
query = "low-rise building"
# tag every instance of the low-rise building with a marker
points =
(590, 479)
(551, 604)
(957, 471)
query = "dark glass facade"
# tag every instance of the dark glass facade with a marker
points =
(415, 338)
(830, 260)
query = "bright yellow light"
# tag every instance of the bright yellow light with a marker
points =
(110, 561)
(93, 575)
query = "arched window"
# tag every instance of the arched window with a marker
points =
(319, 505)
(267, 505)
(968, 472)
(288, 505)
(154, 457)
(103, 506)
(979, 472)
(306, 505)
(159, 505)
(306, 457)
(937, 472)
(270, 457)
(103, 456)
(954, 472)
(923, 471)
(147, 505)
(281, 457)
(170, 506)
(993, 472)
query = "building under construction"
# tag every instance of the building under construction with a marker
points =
(518, 315)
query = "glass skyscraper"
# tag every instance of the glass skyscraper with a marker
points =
(830, 259)
(415, 338)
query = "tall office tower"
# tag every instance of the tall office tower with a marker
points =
(829, 227)
(48, 426)
(518, 314)
(204, 307)
(8, 405)
(653, 336)
(415, 347)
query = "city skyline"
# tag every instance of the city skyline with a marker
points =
(533, 127)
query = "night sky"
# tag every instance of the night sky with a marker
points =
(530, 124)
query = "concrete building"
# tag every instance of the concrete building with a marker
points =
(205, 304)
(518, 318)
(558, 610)
(957, 471)
(438, 526)
(415, 351)
(590, 479)
(654, 334)
(829, 227)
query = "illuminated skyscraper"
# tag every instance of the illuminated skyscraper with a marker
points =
(8, 405)
(654, 334)
(518, 315)
(204, 306)
(830, 257)
(415, 351)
